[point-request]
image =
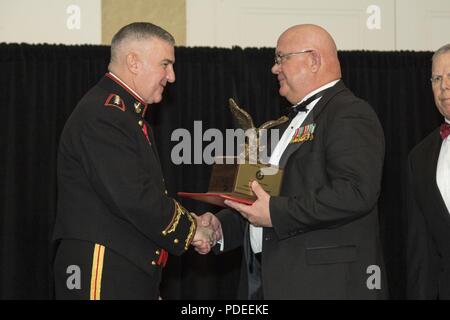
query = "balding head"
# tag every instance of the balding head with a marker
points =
(302, 73)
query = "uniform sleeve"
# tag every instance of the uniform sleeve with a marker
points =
(113, 164)
(351, 166)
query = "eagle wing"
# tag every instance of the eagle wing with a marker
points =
(273, 123)
(245, 121)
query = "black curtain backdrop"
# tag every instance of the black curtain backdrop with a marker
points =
(41, 84)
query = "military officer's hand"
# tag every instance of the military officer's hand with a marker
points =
(210, 220)
(204, 238)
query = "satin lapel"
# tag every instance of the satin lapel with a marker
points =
(430, 188)
(321, 105)
(293, 147)
(281, 128)
(311, 118)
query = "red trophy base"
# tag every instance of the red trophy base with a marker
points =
(216, 198)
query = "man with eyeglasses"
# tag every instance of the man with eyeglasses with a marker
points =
(428, 245)
(319, 239)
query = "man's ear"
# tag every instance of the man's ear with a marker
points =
(133, 62)
(316, 61)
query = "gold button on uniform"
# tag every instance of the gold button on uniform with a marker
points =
(153, 263)
(141, 123)
(157, 252)
(176, 241)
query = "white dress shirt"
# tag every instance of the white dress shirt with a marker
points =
(443, 171)
(257, 232)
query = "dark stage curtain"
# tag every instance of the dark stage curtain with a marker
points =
(41, 84)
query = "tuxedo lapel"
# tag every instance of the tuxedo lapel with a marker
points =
(268, 142)
(430, 188)
(321, 105)
(311, 118)
(293, 147)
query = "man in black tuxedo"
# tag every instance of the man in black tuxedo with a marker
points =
(320, 238)
(115, 223)
(428, 241)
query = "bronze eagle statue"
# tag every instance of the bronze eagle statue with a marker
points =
(245, 121)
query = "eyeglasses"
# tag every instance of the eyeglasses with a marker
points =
(438, 78)
(279, 58)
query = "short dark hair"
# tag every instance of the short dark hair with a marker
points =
(441, 50)
(139, 31)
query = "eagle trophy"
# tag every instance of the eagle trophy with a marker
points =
(245, 122)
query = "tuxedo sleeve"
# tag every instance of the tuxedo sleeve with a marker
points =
(113, 164)
(421, 256)
(351, 162)
(233, 228)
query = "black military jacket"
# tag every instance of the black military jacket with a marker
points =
(110, 185)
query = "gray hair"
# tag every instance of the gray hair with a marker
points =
(441, 50)
(138, 31)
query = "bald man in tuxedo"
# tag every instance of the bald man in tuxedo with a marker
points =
(319, 238)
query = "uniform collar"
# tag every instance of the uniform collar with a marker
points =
(139, 105)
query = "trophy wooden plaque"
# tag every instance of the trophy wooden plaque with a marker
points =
(231, 179)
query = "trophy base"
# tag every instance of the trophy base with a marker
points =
(217, 198)
(235, 178)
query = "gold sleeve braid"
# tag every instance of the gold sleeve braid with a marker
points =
(178, 212)
(192, 230)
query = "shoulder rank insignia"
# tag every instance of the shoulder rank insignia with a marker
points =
(115, 101)
(305, 133)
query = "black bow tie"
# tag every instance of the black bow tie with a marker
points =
(301, 107)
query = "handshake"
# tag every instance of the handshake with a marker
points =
(209, 229)
(208, 233)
